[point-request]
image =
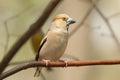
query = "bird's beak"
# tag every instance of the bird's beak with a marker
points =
(70, 21)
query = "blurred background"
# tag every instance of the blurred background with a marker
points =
(95, 36)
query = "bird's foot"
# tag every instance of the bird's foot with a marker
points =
(46, 61)
(65, 61)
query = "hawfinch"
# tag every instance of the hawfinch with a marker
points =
(55, 41)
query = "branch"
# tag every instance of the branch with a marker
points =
(109, 26)
(82, 21)
(33, 28)
(58, 64)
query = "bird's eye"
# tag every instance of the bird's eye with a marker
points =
(64, 19)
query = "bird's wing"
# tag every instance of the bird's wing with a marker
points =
(41, 45)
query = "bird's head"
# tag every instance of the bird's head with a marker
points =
(62, 21)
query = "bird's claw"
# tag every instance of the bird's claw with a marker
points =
(66, 62)
(46, 61)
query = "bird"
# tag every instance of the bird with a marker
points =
(54, 43)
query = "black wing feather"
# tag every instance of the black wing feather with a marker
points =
(37, 56)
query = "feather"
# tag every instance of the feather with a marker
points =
(38, 69)
(41, 45)
(37, 73)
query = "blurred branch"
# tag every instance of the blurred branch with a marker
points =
(83, 20)
(58, 64)
(66, 56)
(19, 62)
(109, 26)
(6, 25)
(43, 76)
(114, 15)
(33, 28)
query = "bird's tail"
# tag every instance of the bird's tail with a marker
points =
(37, 73)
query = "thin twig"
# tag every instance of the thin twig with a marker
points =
(33, 28)
(58, 64)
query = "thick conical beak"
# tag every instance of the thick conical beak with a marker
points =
(70, 21)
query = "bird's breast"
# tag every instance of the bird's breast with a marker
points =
(55, 45)
(59, 38)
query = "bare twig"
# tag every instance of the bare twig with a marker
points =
(33, 28)
(58, 64)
